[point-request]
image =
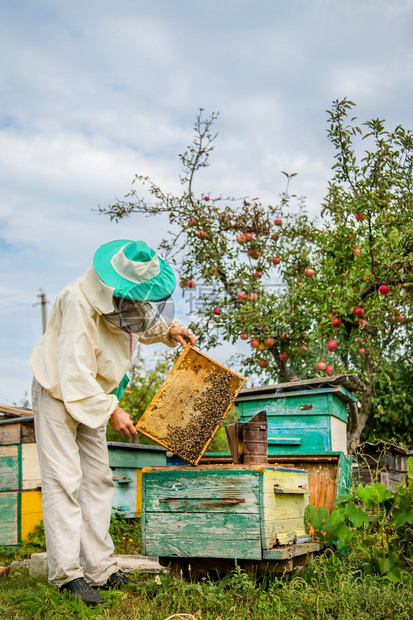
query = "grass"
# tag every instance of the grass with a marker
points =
(332, 587)
(328, 589)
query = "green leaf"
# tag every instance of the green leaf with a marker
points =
(357, 516)
(385, 565)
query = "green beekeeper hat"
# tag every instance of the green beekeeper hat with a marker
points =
(134, 270)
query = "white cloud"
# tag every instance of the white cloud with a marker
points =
(93, 92)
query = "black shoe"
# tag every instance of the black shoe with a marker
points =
(83, 591)
(118, 580)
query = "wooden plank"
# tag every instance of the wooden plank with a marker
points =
(31, 512)
(30, 467)
(350, 382)
(191, 404)
(284, 553)
(138, 492)
(15, 412)
(27, 434)
(198, 485)
(9, 510)
(135, 455)
(9, 434)
(9, 468)
(217, 535)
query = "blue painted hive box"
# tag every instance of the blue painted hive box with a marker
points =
(126, 461)
(306, 417)
(234, 511)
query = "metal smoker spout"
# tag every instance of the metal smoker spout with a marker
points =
(248, 441)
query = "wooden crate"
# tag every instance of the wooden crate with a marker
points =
(20, 512)
(191, 404)
(17, 430)
(243, 512)
(20, 495)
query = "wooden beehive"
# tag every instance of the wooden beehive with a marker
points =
(126, 461)
(191, 404)
(246, 512)
(20, 495)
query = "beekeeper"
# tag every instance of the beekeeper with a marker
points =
(79, 369)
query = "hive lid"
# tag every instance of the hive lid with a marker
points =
(350, 383)
(190, 405)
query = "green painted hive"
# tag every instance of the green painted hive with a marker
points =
(307, 421)
(234, 511)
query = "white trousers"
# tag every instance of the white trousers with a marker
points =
(77, 491)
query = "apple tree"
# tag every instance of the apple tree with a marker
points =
(311, 297)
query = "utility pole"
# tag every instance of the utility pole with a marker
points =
(42, 303)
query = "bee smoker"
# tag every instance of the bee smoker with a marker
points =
(248, 441)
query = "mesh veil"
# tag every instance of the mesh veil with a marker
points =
(140, 316)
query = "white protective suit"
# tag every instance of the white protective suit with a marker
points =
(78, 362)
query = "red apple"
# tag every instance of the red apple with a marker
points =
(360, 217)
(350, 237)
(302, 349)
(356, 251)
(249, 236)
(258, 274)
(358, 311)
(329, 370)
(192, 222)
(309, 272)
(384, 289)
(284, 357)
(241, 238)
(335, 322)
(276, 260)
(201, 234)
(269, 341)
(262, 363)
(361, 322)
(278, 221)
(321, 366)
(242, 295)
(253, 253)
(275, 237)
(399, 318)
(362, 350)
(244, 336)
(190, 284)
(217, 310)
(332, 345)
(255, 343)
(261, 347)
(253, 296)
(206, 198)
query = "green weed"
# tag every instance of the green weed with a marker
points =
(328, 589)
(374, 526)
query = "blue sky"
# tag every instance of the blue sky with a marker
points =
(94, 92)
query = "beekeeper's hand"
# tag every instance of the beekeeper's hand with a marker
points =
(183, 335)
(121, 422)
